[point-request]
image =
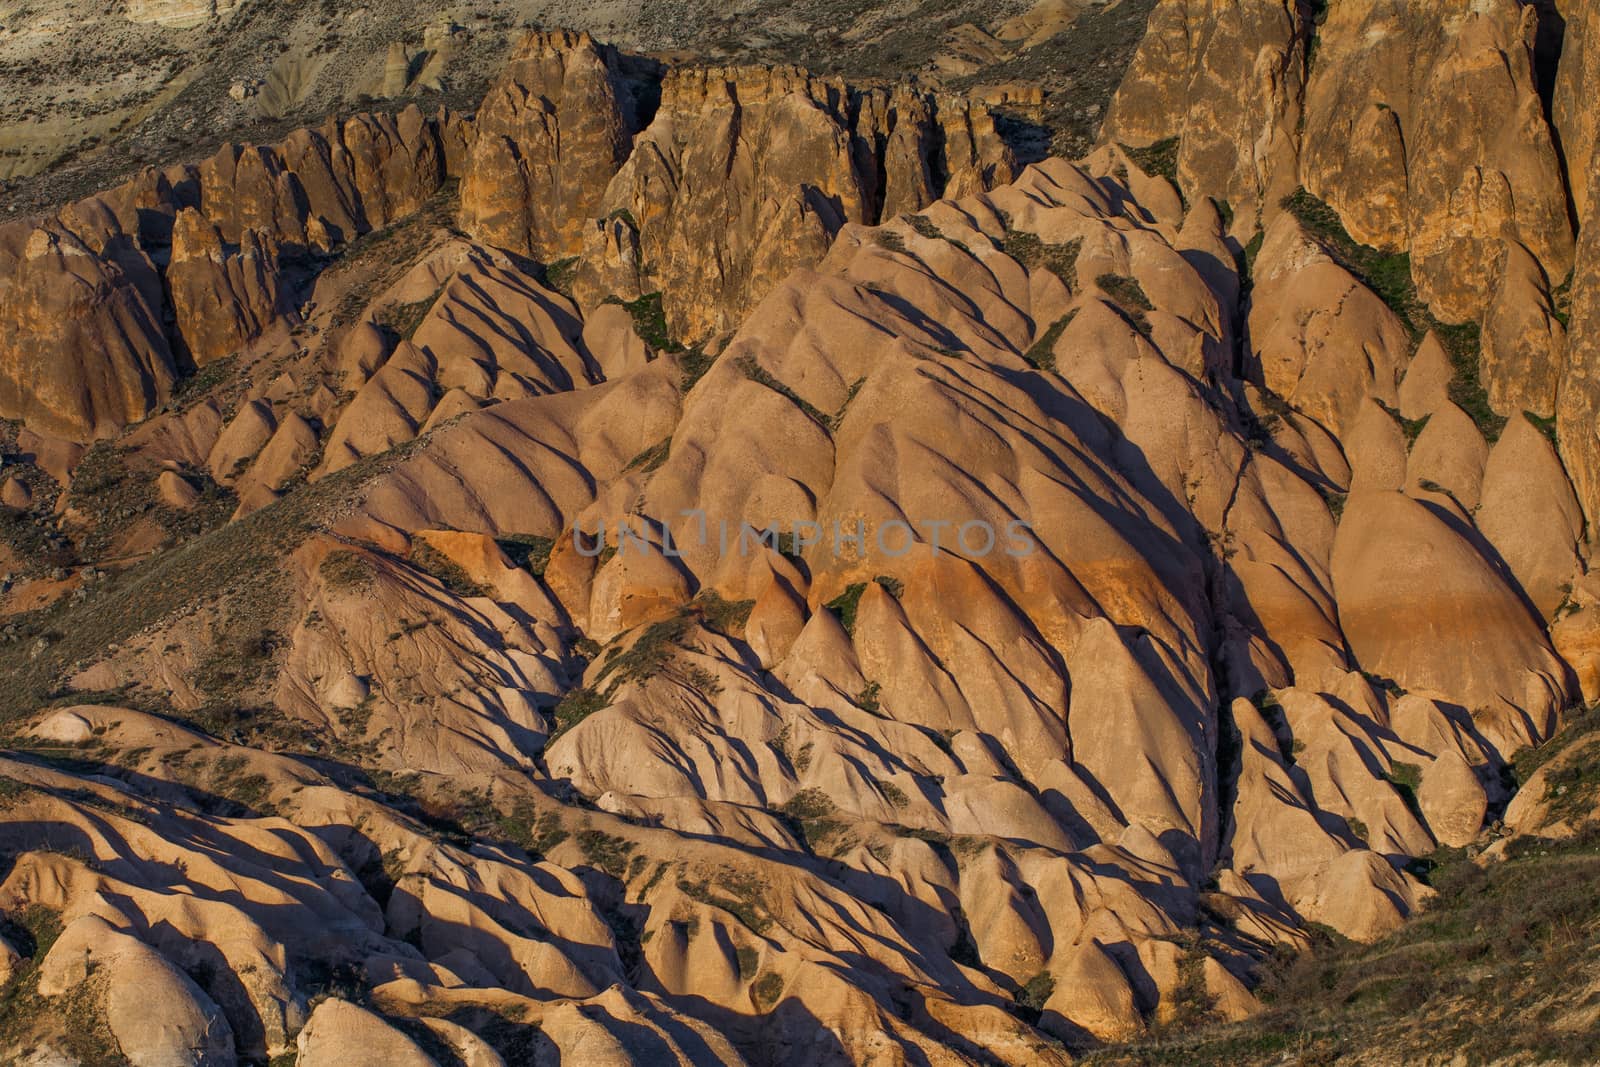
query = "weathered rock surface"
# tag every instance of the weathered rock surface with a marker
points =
(526, 693)
(84, 352)
(551, 133)
(1227, 80)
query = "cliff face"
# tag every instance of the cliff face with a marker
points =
(1227, 80)
(742, 176)
(84, 353)
(90, 288)
(550, 134)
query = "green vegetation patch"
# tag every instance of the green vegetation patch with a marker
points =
(561, 274)
(1042, 353)
(403, 320)
(448, 573)
(347, 571)
(606, 852)
(1059, 259)
(649, 321)
(845, 605)
(650, 460)
(1129, 298)
(529, 552)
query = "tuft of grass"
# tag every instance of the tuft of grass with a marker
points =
(695, 362)
(650, 460)
(345, 571)
(561, 274)
(448, 573)
(845, 605)
(1033, 994)
(1160, 160)
(739, 894)
(606, 852)
(1410, 428)
(575, 706)
(1546, 426)
(759, 374)
(766, 991)
(1060, 260)
(888, 239)
(1335, 501)
(1128, 296)
(1042, 353)
(811, 814)
(403, 320)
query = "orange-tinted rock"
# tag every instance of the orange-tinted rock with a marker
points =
(1465, 635)
(550, 134)
(1227, 80)
(1424, 130)
(84, 353)
(221, 301)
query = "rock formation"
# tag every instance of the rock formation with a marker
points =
(550, 134)
(759, 576)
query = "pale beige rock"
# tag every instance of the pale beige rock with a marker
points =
(340, 1033)
(1448, 456)
(241, 440)
(1324, 341)
(1474, 643)
(1092, 996)
(156, 1013)
(1426, 385)
(1530, 515)
(1452, 800)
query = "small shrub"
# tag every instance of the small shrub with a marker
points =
(649, 321)
(1033, 253)
(345, 571)
(1159, 160)
(766, 991)
(403, 320)
(1129, 297)
(889, 239)
(651, 459)
(575, 706)
(606, 852)
(561, 274)
(1034, 994)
